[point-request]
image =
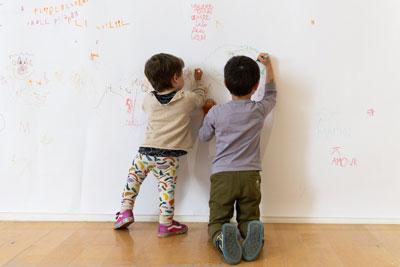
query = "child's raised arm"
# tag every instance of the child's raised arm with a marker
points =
(199, 91)
(266, 61)
(269, 100)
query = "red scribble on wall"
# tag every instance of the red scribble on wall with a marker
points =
(139, 85)
(340, 160)
(336, 150)
(344, 162)
(129, 105)
(371, 112)
(201, 16)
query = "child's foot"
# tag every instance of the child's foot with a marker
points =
(123, 219)
(175, 228)
(228, 244)
(254, 241)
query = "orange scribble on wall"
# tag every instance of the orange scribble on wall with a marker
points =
(94, 56)
(79, 24)
(53, 9)
(112, 25)
(72, 18)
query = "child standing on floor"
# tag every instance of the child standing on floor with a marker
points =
(167, 138)
(236, 179)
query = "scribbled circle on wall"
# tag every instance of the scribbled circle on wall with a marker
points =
(215, 63)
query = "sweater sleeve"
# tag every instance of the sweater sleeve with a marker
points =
(198, 94)
(269, 100)
(207, 129)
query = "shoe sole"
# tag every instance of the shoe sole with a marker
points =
(253, 243)
(124, 224)
(171, 234)
(232, 250)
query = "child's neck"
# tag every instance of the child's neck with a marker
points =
(168, 91)
(238, 98)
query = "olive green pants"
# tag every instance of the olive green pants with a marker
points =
(228, 188)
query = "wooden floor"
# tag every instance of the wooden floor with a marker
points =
(96, 244)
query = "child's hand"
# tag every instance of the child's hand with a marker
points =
(264, 59)
(208, 105)
(198, 73)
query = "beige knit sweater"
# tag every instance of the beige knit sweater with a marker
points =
(168, 125)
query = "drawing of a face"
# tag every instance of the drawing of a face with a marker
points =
(22, 65)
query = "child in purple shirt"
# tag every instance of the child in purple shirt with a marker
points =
(236, 180)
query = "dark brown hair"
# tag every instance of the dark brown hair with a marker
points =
(241, 74)
(161, 68)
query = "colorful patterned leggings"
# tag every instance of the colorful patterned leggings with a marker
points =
(165, 170)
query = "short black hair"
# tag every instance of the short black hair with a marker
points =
(241, 74)
(161, 68)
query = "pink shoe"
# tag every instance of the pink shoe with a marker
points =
(123, 219)
(175, 228)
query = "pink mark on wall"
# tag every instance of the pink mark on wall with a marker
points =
(371, 112)
(201, 15)
(340, 159)
(336, 150)
(129, 105)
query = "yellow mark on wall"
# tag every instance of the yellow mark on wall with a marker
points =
(113, 25)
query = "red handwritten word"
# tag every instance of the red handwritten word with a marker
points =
(200, 17)
(340, 160)
(202, 8)
(371, 112)
(344, 162)
(113, 25)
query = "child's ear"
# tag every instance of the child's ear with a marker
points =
(174, 79)
(254, 88)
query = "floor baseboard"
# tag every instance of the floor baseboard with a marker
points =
(102, 217)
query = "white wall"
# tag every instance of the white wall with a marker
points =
(71, 90)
